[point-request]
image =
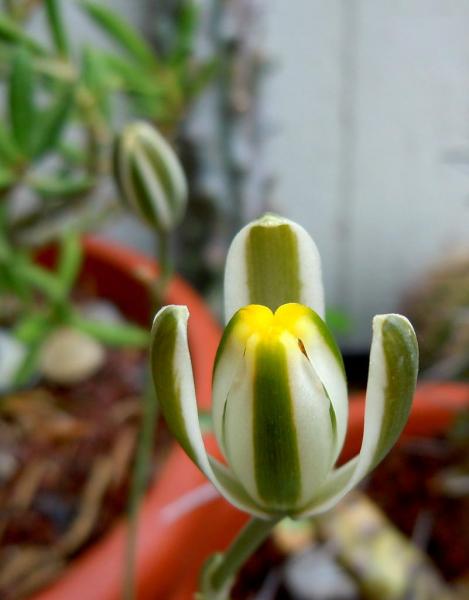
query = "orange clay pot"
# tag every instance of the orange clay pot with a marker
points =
(183, 520)
(434, 408)
(122, 275)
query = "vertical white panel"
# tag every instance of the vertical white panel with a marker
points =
(370, 97)
(303, 96)
(410, 206)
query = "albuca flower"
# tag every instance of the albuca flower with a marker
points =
(280, 402)
(149, 176)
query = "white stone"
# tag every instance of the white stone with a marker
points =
(314, 575)
(69, 356)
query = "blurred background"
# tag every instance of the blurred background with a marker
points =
(350, 117)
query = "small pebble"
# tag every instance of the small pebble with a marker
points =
(69, 356)
(314, 575)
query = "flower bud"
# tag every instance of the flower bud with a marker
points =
(149, 176)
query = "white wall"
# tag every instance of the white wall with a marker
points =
(369, 98)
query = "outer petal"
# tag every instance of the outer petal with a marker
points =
(391, 384)
(174, 385)
(277, 428)
(273, 261)
(228, 361)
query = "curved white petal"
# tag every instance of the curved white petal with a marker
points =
(174, 385)
(278, 432)
(228, 362)
(391, 384)
(273, 261)
(326, 359)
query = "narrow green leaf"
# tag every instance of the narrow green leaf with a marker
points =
(121, 32)
(29, 365)
(10, 282)
(56, 26)
(40, 279)
(7, 179)
(21, 98)
(70, 260)
(112, 334)
(186, 28)
(62, 186)
(32, 328)
(140, 474)
(9, 152)
(52, 122)
(96, 76)
(127, 77)
(11, 32)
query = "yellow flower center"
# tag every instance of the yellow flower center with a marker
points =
(259, 320)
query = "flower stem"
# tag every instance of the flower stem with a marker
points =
(166, 270)
(220, 570)
(140, 476)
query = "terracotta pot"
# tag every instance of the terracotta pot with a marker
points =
(121, 275)
(434, 408)
(183, 520)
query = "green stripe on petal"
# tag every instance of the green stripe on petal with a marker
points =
(276, 459)
(272, 265)
(273, 261)
(165, 163)
(401, 358)
(174, 386)
(142, 201)
(391, 384)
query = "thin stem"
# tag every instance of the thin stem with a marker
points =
(139, 481)
(220, 570)
(166, 269)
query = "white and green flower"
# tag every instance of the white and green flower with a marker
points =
(280, 403)
(149, 176)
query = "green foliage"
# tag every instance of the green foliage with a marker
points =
(56, 26)
(46, 302)
(56, 139)
(121, 32)
(21, 99)
(52, 121)
(55, 91)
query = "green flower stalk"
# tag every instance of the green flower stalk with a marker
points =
(280, 403)
(153, 186)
